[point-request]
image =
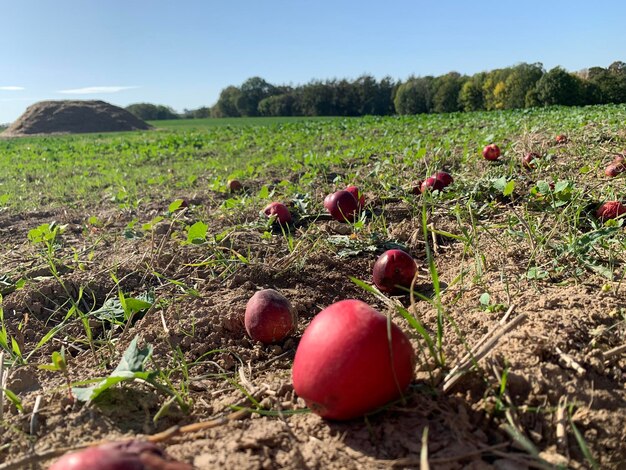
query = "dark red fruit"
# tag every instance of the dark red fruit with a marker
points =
(430, 184)
(358, 195)
(126, 455)
(234, 186)
(278, 210)
(269, 316)
(527, 160)
(394, 269)
(342, 206)
(351, 361)
(610, 210)
(491, 152)
(614, 169)
(444, 178)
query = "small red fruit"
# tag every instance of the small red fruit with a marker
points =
(234, 186)
(358, 195)
(394, 269)
(491, 152)
(279, 211)
(351, 361)
(342, 206)
(269, 316)
(444, 178)
(124, 455)
(527, 160)
(614, 169)
(561, 139)
(610, 210)
(431, 183)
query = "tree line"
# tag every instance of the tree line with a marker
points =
(520, 86)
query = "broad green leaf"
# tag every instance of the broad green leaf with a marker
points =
(508, 189)
(131, 367)
(197, 233)
(174, 206)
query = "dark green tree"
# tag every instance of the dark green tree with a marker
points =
(447, 90)
(277, 105)
(152, 112)
(252, 91)
(226, 105)
(523, 77)
(471, 94)
(414, 96)
(559, 87)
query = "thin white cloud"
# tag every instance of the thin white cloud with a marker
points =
(94, 90)
(12, 88)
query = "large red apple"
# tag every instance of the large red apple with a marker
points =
(342, 206)
(351, 361)
(279, 211)
(491, 152)
(394, 269)
(269, 316)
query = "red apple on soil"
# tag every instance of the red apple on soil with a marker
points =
(610, 210)
(615, 169)
(491, 152)
(342, 206)
(348, 363)
(392, 269)
(278, 210)
(527, 160)
(561, 139)
(234, 186)
(430, 184)
(269, 316)
(125, 455)
(444, 178)
(358, 195)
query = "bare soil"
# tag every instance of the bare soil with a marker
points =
(558, 368)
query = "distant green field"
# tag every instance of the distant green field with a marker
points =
(201, 154)
(235, 122)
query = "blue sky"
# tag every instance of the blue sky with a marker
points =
(183, 53)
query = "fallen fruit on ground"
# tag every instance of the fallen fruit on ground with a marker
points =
(430, 184)
(444, 178)
(342, 206)
(528, 160)
(279, 211)
(610, 210)
(358, 195)
(351, 361)
(614, 169)
(234, 186)
(127, 455)
(561, 139)
(269, 316)
(491, 152)
(394, 269)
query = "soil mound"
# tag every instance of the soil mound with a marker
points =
(74, 117)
